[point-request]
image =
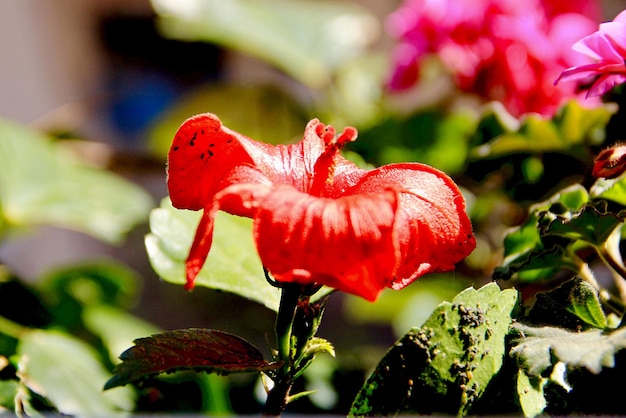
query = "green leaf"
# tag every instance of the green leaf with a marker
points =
(575, 297)
(67, 372)
(444, 366)
(116, 328)
(538, 349)
(530, 253)
(233, 264)
(527, 237)
(39, 185)
(610, 189)
(190, 349)
(8, 392)
(594, 223)
(571, 127)
(306, 39)
(530, 394)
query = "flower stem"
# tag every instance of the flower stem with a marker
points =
(12, 329)
(283, 378)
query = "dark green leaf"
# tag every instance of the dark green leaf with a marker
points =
(190, 349)
(593, 223)
(574, 305)
(40, 185)
(530, 255)
(444, 366)
(537, 264)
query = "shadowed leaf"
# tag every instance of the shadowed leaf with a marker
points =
(189, 349)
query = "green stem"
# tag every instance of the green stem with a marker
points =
(12, 329)
(283, 378)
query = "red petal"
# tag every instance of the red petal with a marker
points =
(203, 153)
(433, 230)
(344, 243)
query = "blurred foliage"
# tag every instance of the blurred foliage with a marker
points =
(41, 185)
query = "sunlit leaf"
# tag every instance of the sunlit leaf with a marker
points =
(530, 394)
(572, 126)
(8, 392)
(611, 189)
(67, 372)
(444, 366)
(39, 185)
(233, 264)
(189, 349)
(306, 39)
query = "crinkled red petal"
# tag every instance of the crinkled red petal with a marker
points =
(346, 243)
(432, 229)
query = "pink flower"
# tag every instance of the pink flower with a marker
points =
(504, 50)
(607, 47)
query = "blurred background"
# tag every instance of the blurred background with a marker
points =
(120, 75)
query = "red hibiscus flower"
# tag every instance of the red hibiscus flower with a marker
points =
(607, 47)
(319, 219)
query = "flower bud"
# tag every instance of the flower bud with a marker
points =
(611, 162)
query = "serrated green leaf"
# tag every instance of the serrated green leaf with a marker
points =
(530, 253)
(593, 224)
(66, 371)
(537, 264)
(38, 185)
(538, 349)
(189, 349)
(233, 264)
(445, 365)
(610, 189)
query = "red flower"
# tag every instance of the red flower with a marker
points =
(607, 47)
(317, 217)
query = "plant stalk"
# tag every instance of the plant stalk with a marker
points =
(283, 378)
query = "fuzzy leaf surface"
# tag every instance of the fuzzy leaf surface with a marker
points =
(539, 349)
